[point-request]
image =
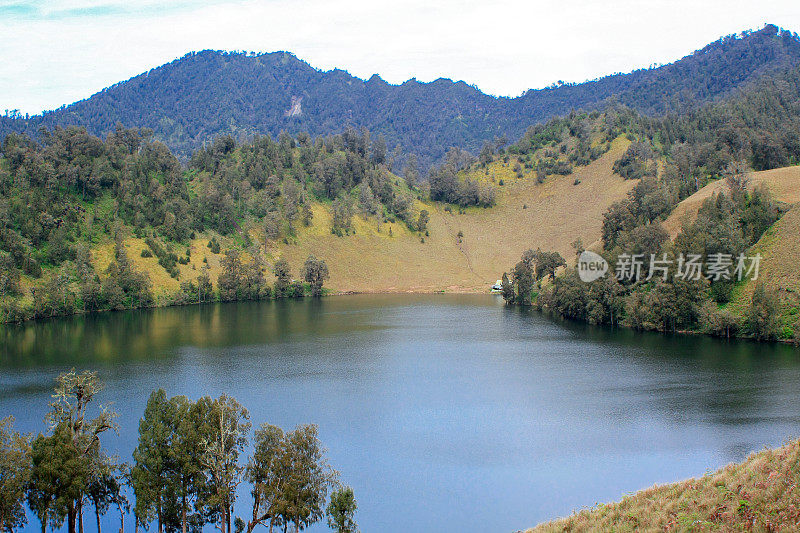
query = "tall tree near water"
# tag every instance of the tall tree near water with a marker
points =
(220, 458)
(15, 472)
(315, 272)
(153, 468)
(78, 436)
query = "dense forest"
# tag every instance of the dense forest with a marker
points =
(204, 95)
(184, 474)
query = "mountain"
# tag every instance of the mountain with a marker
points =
(205, 94)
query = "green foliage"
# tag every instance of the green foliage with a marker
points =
(283, 277)
(762, 316)
(637, 162)
(168, 260)
(447, 186)
(290, 477)
(240, 280)
(15, 473)
(213, 245)
(530, 270)
(423, 118)
(69, 462)
(341, 511)
(315, 272)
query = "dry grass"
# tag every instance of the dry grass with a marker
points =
(550, 215)
(783, 183)
(760, 494)
(558, 212)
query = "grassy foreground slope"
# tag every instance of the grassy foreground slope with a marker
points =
(550, 215)
(760, 494)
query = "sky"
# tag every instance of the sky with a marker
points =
(56, 52)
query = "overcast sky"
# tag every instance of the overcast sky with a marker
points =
(55, 52)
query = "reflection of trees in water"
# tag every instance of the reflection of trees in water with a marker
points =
(157, 333)
(708, 380)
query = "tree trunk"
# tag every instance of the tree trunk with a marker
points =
(183, 513)
(80, 517)
(160, 521)
(97, 516)
(71, 515)
(121, 518)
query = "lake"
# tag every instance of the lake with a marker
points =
(443, 412)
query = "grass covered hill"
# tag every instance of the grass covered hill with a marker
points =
(760, 494)
(203, 95)
(89, 223)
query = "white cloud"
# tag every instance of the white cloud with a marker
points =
(64, 50)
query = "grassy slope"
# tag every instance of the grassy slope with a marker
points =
(557, 213)
(760, 494)
(780, 268)
(779, 246)
(550, 215)
(784, 183)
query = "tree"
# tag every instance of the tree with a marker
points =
(342, 208)
(204, 286)
(379, 150)
(523, 278)
(266, 473)
(190, 430)
(283, 277)
(508, 289)
(715, 321)
(315, 272)
(220, 457)
(15, 472)
(547, 263)
(341, 511)
(58, 478)
(762, 317)
(369, 204)
(68, 415)
(308, 478)
(422, 220)
(153, 465)
(104, 488)
(410, 171)
(230, 279)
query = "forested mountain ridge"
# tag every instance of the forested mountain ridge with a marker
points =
(206, 94)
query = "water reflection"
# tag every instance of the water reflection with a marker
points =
(475, 416)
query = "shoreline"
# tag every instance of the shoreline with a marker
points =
(392, 290)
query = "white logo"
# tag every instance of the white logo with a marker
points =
(591, 266)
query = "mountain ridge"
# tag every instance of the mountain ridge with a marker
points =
(201, 95)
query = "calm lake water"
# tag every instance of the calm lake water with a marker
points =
(443, 412)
